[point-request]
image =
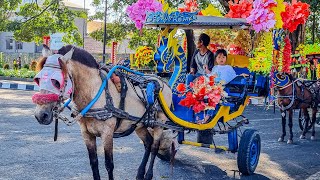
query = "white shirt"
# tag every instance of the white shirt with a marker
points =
(224, 73)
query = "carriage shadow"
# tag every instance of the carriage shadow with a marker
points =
(197, 170)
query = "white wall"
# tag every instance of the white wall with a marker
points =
(27, 47)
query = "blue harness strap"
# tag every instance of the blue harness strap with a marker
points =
(103, 85)
(150, 92)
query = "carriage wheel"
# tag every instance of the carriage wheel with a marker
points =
(249, 152)
(302, 121)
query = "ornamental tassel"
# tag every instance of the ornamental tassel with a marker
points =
(286, 60)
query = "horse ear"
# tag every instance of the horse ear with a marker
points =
(68, 55)
(46, 51)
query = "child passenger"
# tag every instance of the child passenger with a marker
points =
(225, 73)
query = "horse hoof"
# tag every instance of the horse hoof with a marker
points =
(289, 141)
(280, 140)
(313, 138)
(302, 137)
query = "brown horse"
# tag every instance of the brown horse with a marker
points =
(84, 72)
(296, 94)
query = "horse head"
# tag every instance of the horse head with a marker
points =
(54, 84)
(282, 80)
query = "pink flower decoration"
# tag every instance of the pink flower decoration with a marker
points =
(137, 11)
(262, 17)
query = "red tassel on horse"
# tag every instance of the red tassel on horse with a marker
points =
(286, 60)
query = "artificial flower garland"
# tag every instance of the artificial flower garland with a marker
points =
(240, 9)
(203, 94)
(312, 49)
(262, 17)
(262, 60)
(144, 55)
(211, 11)
(318, 71)
(137, 11)
(295, 14)
(286, 62)
(277, 13)
(190, 6)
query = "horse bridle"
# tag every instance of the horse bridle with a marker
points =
(291, 97)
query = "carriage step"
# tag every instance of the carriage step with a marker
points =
(211, 146)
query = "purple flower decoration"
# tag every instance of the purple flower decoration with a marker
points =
(262, 18)
(137, 11)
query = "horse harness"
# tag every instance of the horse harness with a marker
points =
(312, 86)
(109, 110)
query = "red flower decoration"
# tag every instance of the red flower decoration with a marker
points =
(240, 9)
(295, 14)
(286, 60)
(181, 88)
(190, 6)
(198, 107)
(202, 89)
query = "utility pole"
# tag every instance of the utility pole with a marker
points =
(105, 33)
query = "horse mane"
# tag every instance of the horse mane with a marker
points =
(80, 55)
(41, 63)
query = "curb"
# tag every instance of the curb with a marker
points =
(26, 87)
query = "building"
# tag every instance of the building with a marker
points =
(9, 45)
(30, 50)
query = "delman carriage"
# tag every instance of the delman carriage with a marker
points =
(146, 103)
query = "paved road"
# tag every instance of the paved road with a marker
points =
(27, 150)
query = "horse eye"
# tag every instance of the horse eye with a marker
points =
(55, 83)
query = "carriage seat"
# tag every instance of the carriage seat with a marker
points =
(237, 90)
(257, 84)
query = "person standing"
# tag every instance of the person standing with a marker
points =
(19, 62)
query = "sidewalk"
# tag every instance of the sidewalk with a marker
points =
(20, 85)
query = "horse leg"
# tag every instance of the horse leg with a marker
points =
(290, 124)
(90, 141)
(154, 150)
(314, 118)
(283, 119)
(306, 122)
(107, 140)
(147, 139)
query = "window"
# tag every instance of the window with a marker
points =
(9, 43)
(19, 45)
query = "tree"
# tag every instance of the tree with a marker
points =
(32, 21)
(123, 24)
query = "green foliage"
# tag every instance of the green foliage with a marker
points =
(6, 66)
(22, 73)
(40, 20)
(149, 37)
(26, 66)
(6, 8)
(313, 24)
(115, 32)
